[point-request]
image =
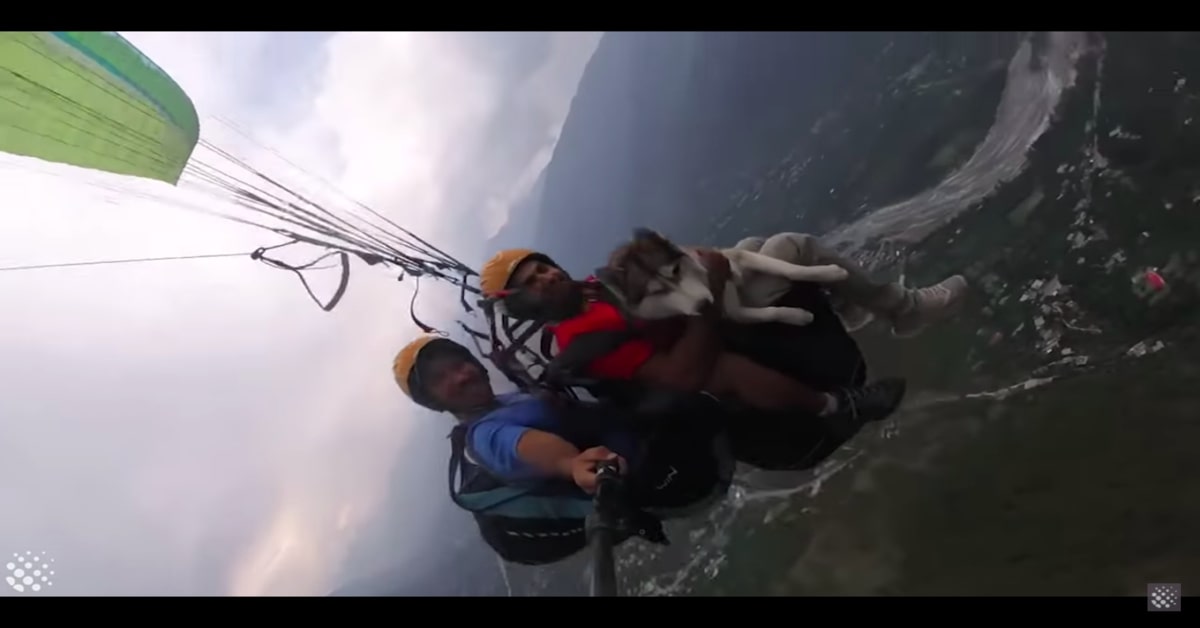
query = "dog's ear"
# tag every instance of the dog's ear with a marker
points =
(659, 240)
(645, 233)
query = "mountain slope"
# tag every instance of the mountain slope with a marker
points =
(521, 227)
(666, 127)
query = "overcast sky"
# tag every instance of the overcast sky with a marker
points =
(202, 427)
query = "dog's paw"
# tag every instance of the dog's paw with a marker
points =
(826, 273)
(793, 316)
(831, 273)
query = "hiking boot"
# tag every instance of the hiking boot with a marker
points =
(928, 305)
(871, 402)
(855, 317)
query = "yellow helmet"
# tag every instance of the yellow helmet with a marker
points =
(406, 360)
(498, 270)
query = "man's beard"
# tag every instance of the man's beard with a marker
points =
(565, 300)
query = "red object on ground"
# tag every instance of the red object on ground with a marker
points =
(1155, 280)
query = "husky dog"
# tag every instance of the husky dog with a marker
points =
(657, 279)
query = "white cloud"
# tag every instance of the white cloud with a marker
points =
(202, 427)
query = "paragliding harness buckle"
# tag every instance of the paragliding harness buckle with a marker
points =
(515, 314)
(508, 336)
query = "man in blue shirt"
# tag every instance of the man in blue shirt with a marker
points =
(517, 437)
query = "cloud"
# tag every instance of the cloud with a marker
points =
(201, 427)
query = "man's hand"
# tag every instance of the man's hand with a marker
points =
(583, 466)
(716, 264)
(719, 272)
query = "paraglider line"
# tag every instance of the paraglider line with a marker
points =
(124, 261)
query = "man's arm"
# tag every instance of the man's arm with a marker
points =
(556, 457)
(547, 453)
(687, 364)
(517, 452)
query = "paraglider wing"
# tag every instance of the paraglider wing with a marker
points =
(92, 99)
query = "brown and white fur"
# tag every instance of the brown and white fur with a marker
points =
(657, 279)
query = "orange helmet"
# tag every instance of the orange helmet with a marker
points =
(406, 359)
(497, 271)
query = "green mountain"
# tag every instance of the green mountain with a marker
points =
(667, 129)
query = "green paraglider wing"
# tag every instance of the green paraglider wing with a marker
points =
(93, 100)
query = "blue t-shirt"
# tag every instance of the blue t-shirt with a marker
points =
(492, 439)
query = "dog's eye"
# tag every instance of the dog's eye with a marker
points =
(675, 270)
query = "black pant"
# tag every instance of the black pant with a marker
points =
(681, 464)
(822, 355)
